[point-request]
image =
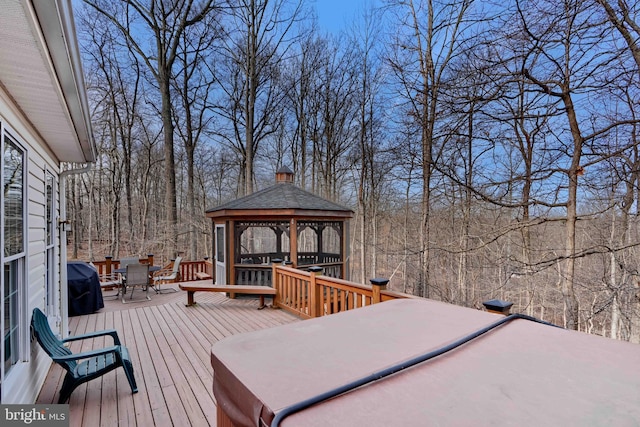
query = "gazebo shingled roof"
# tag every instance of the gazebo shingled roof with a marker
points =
(282, 195)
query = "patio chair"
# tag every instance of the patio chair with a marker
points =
(124, 261)
(137, 275)
(85, 366)
(122, 265)
(167, 276)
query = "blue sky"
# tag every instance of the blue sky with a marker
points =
(335, 15)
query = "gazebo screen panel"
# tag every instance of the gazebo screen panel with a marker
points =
(258, 241)
(307, 240)
(331, 245)
(319, 242)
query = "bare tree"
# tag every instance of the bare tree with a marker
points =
(424, 46)
(300, 79)
(116, 91)
(194, 84)
(622, 16)
(368, 159)
(554, 64)
(253, 50)
(165, 23)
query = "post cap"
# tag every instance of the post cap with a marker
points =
(276, 260)
(379, 281)
(315, 269)
(498, 306)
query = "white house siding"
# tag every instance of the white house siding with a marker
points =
(23, 381)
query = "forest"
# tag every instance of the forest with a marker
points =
(488, 149)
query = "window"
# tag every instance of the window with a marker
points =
(13, 219)
(13, 165)
(12, 273)
(220, 243)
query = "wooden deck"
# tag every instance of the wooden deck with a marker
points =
(170, 349)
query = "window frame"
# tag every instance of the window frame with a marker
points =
(19, 259)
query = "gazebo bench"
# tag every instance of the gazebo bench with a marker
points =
(192, 288)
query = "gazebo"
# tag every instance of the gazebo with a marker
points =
(254, 231)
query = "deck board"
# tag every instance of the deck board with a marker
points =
(169, 345)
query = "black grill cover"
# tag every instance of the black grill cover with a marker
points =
(85, 295)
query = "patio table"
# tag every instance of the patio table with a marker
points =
(152, 268)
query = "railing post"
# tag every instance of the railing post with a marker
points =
(274, 279)
(378, 285)
(315, 303)
(150, 259)
(208, 267)
(108, 266)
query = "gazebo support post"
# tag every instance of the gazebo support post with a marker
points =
(293, 243)
(278, 233)
(320, 249)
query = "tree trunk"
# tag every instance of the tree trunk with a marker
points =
(169, 168)
(568, 291)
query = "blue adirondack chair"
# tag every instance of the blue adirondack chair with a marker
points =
(85, 366)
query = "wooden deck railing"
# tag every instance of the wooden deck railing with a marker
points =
(309, 294)
(188, 269)
(328, 269)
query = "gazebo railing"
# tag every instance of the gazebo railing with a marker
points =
(261, 274)
(263, 258)
(252, 274)
(328, 269)
(255, 269)
(305, 258)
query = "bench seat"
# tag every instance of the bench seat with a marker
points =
(192, 288)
